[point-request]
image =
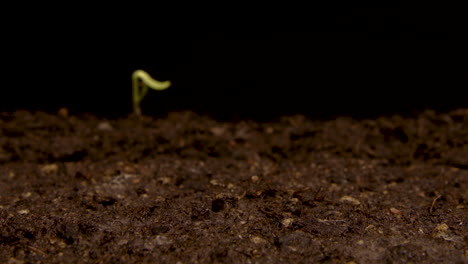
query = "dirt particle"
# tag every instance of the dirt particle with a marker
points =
(217, 131)
(49, 168)
(161, 240)
(395, 211)
(81, 176)
(215, 182)
(407, 253)
(158, 229)
(443, 231)
(23, 212)
(258, 240)
(255, 178)
(104, 126)
(217, 205)
(441, 228)
(166, 180)
(287, 222)
(350, 199)
(297, 241)
(63, 112)
(15, 261)
(68, 232)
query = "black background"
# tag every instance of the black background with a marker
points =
(362, 62)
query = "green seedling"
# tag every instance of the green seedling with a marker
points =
(141, 81)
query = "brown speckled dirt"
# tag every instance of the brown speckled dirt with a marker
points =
(184, 188)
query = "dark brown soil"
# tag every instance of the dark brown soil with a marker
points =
(188, 189)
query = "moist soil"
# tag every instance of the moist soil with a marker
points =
(185, 188)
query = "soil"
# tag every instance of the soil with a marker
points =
(185, 188)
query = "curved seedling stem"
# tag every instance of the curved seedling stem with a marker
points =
(141, 81)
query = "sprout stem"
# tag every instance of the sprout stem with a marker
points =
(141, 81)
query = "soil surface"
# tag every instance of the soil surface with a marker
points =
(185, 188)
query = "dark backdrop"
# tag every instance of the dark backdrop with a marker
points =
(361, 63)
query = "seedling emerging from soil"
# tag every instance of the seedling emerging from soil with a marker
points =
(141, 81)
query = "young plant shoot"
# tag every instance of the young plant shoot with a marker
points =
(141, 81)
